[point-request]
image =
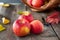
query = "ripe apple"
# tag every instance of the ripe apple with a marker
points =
(21, 27)
(35, 3)
(37, 26)
(29, 2)
(26, 15)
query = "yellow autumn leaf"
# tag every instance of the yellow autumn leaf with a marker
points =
(2, 28)
(5, 20)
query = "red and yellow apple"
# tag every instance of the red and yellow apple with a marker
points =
(36, 26)
(21, 27)
(35, 3)
(26, 15)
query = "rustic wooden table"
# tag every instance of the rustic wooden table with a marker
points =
(51, 32)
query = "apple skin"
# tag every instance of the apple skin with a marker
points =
(36, 26)
(21, 27)
(35, 3)
(29, 2)
(27, 17)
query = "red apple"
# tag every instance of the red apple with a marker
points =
(37, 26)
(26, 15)
(29, 2)
(35, 3)
(21, 27)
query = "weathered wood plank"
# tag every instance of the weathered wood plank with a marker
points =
(44, 38)
(4, 35)
(57, 29)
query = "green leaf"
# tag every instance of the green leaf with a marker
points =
(20, 12)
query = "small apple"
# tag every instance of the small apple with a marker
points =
(37, 26)
(21, 27)
(26, 15)
(35, 3)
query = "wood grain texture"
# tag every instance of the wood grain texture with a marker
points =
(57, 29)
